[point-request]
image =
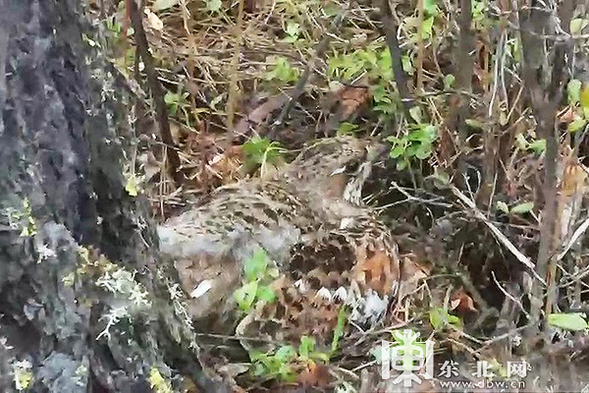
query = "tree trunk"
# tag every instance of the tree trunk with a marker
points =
(85, 304)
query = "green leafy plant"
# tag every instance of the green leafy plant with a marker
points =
(258, 277)
(260, 152)
(439, 317)
(292, 31)
(346, 128)
(480, 18)
(520, 208)
(415, 144)
(342, 318)
(282, 71)
(578, 97)
(568, 321)
(308, 351)
(274, 365)
(177, 101)
(531, 144)
(113, 25)
(449, 81)
(281, 363)
(577, 25)
(375, 62)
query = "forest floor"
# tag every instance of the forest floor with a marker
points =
(462, 189)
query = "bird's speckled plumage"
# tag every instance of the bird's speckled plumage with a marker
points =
(308, 217)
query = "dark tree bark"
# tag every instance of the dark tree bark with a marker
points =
(85, 304)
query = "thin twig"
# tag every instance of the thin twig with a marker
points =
(234, 69)
(300, 86)
(507, 294)
(498, 235)
(580, 230)
(390, 28)
(504, 336)
(420, 44)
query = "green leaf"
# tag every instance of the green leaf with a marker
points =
(431, 131)
(255, 147)
(478, 8)
(387, 109)
(342, 317)
(523, 208)
(171, 98)
(411, 150)
(215, 101)
(427, 27)
(502, 206)
(449, 81)
(259, 369)
(577, 25)
(370, 57)
(576, 124)
(570, 321)
(574, 91)
(214, 5)
(538, 146)
(292, 29)
(132, 185)
(454, 320)
(246, 295)
(430, 7)
(282, 71)
(266, 293)
(407, 64)
(441, 179)
(256, 355)
(384, 63)
(259, 151)
(285, 353)
(381, 95)
(439, 317)
(415, 113)
(306, 347)
(423, 151)
(424, 133)
(346, 128)
(584, 97)
(521, 141)
(397, 151)
(255, 267)
(160, 5)
(401, 165)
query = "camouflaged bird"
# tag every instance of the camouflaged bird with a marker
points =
(309, 219)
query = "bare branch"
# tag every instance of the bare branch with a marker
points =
(157, 93)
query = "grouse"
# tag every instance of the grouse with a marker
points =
(327, 248)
